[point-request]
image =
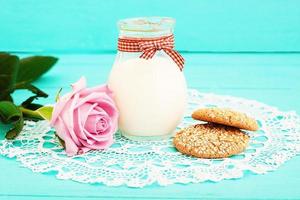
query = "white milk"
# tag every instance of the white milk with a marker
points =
(151, 95)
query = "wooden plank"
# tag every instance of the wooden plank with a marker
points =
(202, 70)
(231, 74)
(206, 25)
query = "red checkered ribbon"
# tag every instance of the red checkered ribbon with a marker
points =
(150, 46)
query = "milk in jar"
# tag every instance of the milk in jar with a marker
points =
(151, 94)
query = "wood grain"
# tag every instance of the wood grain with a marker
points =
(206, 25)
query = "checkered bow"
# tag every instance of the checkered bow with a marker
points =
(150, 46)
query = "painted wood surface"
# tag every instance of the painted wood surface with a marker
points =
(202, 25)
(270, 78)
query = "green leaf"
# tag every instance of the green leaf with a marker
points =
(11, 114)
(58, 95)
(9, 66)
(8, 98)
(38, 93)
(29, 101)
(44, 112)
(33, 89)
(4, 128)
(31, 68)
(14, 132)
(32, 106)
(61, 141)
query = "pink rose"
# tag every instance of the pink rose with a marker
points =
(85, 118)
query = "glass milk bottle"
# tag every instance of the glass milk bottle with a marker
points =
(146, 79)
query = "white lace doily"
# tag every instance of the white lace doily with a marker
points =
(138, 164)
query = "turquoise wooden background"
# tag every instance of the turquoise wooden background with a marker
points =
(63, 27)
(89, 26)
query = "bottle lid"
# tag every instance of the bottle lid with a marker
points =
(147, 24)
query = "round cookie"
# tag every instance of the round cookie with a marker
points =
(210, 141)
(226, 117)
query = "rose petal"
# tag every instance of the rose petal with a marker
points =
(94, 137)
(96, 119)
(99, 145)
(101, 125)
(98, 111)
(109, 108)
(104, 102)
(113, 119)
(78, 129)
(67, 116)
(85, 110)
(88, 141)
(63, 133)
(84, 150)
(95, 98)
(59, 106)
(79, 85)
(97, 89)
(91, 123)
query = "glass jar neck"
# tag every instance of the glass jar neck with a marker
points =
(146, 27)
(144, 34)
